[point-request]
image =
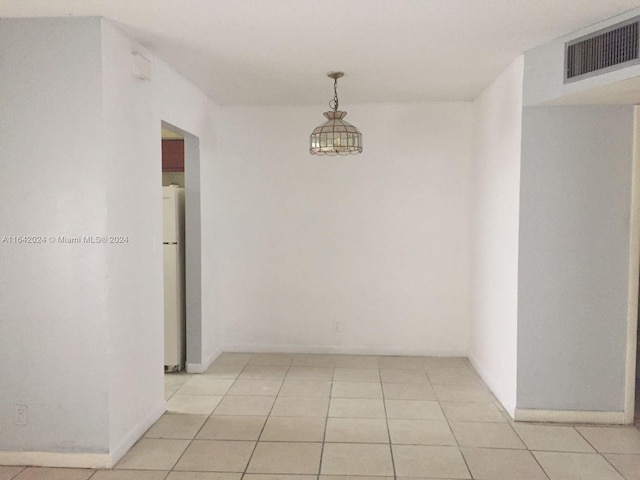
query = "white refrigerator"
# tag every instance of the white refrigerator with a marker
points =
(174, 279)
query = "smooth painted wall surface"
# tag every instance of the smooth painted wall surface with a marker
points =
(134, 112)
(81, 325)
(574, 257)
(53, 301)
(356, 254)
(495, 202)
(135, 301)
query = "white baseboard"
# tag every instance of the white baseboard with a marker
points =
(55, 459)
(202, 367)
(84, 460)
(569, 416)
(343, 350)
(136, 432)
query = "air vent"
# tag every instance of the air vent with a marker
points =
(603, 51)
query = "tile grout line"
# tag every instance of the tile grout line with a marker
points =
(326, 422)
(245, 473)
(598, 451)
(207, 419)
(284, 377)
(95, 472)
(386, 421)
(529, 450)
(446, 418)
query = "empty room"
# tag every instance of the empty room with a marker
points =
(319, 239)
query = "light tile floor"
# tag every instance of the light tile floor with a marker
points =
(340, 417)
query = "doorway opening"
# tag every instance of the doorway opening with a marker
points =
(173, 251)
(182, 249)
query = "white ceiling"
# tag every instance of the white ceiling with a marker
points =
(277, 52)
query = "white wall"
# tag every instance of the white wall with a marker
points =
(135, 302)
(82, 325)
(378, 242)
(53, 300)
(134, 111)
(573, 272)
(495, 200)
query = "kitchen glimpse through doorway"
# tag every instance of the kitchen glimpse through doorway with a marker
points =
(181, 249)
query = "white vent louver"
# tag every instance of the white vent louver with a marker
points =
(603, 51)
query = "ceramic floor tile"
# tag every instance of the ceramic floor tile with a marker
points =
(170, 391)
(356, 390)
(314, 360)
(576, 466)
(245, 405)
(294, 429)
(176, 379)
(224, 371)
(273, 359)
(203, 476)
(420, 432)
(446, 363)
(216, 456)
(37, 473)
(408, 391)
(255, 387)
(356, 361)
(177, 426)
(193, 404)
(389, 375)
(263, 372)
(352, 477)
(300, 407)
(612, 439)
(364, 391)
(173, 382)
(313, 374)
(305, 389)
(424, 478)
(357, 430)
(356, 375)
(463, 393)
(496, 464)
(238, 427)
(452, 368)
(356, 408)
(430, 462)
(231, 358)
(414, 409)
(401, 362)
(455, 377)
(129, 475)
(490, 435)
(153, 454)
(7, 473)
(356, 459)
(553, 438)
(286, 458)
(205, 385)
(627, 465)
(472, 412)
(262, 476)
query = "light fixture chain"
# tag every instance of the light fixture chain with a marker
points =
(334, 103)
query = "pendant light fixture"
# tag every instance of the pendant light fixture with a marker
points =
(335, 136)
